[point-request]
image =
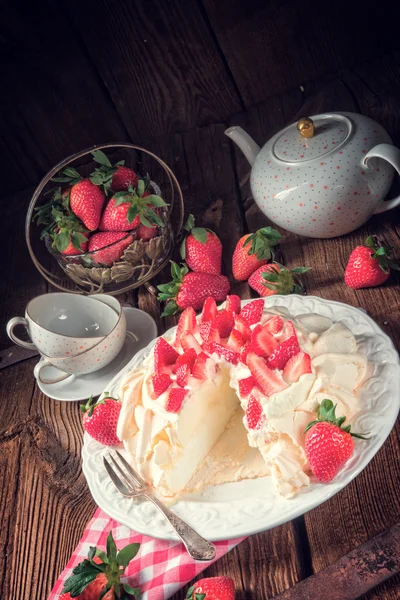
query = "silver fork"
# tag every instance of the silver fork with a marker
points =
(130, 484)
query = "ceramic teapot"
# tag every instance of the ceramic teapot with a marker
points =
(324, 176)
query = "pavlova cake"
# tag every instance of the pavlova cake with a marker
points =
(230, 394)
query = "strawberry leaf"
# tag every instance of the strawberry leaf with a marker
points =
(153, 217)
(111, 548)
(77, 240)
(101, 554)
(62, 240)
(82, 575)
(190, 592)
(145, 221)
(200, 234)
(141, 187)
(188, 226)
(300, 269)
(182, 248)
(130, 590)
(125, 555)
(61, 179)
(156, 201)
(326, 413)
(175, 271)
(122, 194)
(170, 309)
(132, 212)
(101, 158)
(262, 241)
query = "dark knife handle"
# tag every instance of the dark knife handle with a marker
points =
(15, 354)
(355, 573)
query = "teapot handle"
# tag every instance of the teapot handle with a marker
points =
(392, 155)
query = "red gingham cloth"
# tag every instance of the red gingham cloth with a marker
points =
(160, 568)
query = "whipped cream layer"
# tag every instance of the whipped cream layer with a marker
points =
(208, 442)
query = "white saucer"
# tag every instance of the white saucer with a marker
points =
(138, 323)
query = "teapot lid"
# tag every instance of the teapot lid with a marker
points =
(330, 132)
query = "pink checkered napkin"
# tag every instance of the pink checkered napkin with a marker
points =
(160, 568)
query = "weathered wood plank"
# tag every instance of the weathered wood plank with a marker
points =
(159, 62)
(274, 47)
(55, 104)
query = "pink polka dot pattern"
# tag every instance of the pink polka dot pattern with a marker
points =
(326, 170)
(97, 357)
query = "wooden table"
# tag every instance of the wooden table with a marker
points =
(44, 500)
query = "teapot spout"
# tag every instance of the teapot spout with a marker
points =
(247, 145)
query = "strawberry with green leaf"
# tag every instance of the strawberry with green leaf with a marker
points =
(85, 198)
(252, 251)
(67, 233)
(128, 209)
(191, 289)
(201, 248)
(369, 265)
(112, 178)
(212, 588)
(99, 575)
(328, 444)
(100, 419)
(272, 279)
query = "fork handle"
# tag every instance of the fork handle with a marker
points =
(197, 546)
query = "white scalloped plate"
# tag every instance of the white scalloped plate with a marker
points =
(247, 507)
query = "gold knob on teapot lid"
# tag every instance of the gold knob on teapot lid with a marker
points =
(306, 127)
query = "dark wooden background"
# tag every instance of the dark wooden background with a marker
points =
(171, 75)
(78, 72)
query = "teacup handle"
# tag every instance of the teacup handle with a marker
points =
(392, 155)
(46, 363)
(10, 332)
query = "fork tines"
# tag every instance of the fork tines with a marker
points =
(127, 478)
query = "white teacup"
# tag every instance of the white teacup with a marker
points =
(89, 360)
(63, 325)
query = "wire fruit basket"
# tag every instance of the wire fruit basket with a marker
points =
(140, 260)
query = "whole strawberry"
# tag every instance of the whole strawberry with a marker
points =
(112, 250)
(191, 289)
(100, 419)
(67, 233)
(369, 265)
(328, 445)
(78, 244)
(102, 569)
(128, 209)
(202, 249)
(112, 177)
(86, 202)
(86, 198)
(252, 251)
(123, 178)
(212, 588)
(272, 279)
(146, 233)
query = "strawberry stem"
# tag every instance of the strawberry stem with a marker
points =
(382, 254)
(326, 413)
(170, 290)
(112, 563)
(262, 242)
(283, 281)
